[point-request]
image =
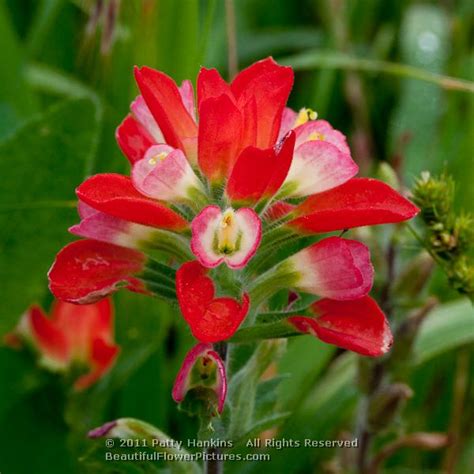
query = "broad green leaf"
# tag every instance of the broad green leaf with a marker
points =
(40, 167)
(304, 360)
(446, 328)
(19, 376)
(17, 102)
(29, 431)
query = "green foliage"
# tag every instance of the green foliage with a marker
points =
(17, 102)
(40, 167)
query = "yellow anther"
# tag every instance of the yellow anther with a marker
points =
(312, 114)
(227, 218)
(316, 136)
(159, 157)
(226, 233)
(304, 115)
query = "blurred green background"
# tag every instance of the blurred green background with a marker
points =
(377, 70)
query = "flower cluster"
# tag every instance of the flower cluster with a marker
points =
(216, 187)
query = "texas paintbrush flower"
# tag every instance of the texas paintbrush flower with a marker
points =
(74, 339)
(228, 183)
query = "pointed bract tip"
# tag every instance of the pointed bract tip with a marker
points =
(102, 430)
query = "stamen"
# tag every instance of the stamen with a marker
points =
(304, 115)
(316, 136)
(159, 157)
(226, 237)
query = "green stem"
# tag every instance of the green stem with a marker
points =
(161, 291)
(165, 275)
(328, 60)
(278, 277)
(38, 205)
(172, 244)
(425, 246)
(276, 330)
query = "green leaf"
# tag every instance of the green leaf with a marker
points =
(40, 167)
(17, 102)
(46, 14)
(311, 60)
(29, 429)
(177, 37)
(262, 424)
(446, 328)
(304, 360)
(266, 397)
(244, 384)
(424, 43)
(19, 376)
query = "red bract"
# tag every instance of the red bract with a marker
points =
(246, 113)
(72, 336)
(167, 107)
(220, 132)
(87, 270)
(358, 325)
(211, 319)
(260, 173)
(133, 139)
(359, 202)
(333, 267)
(116, 195)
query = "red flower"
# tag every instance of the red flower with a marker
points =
(358, 325)
(74, 336)
(222, 179)
(211, 319)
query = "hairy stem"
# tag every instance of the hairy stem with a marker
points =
(212, 464)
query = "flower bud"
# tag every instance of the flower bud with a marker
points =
(202, 376)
